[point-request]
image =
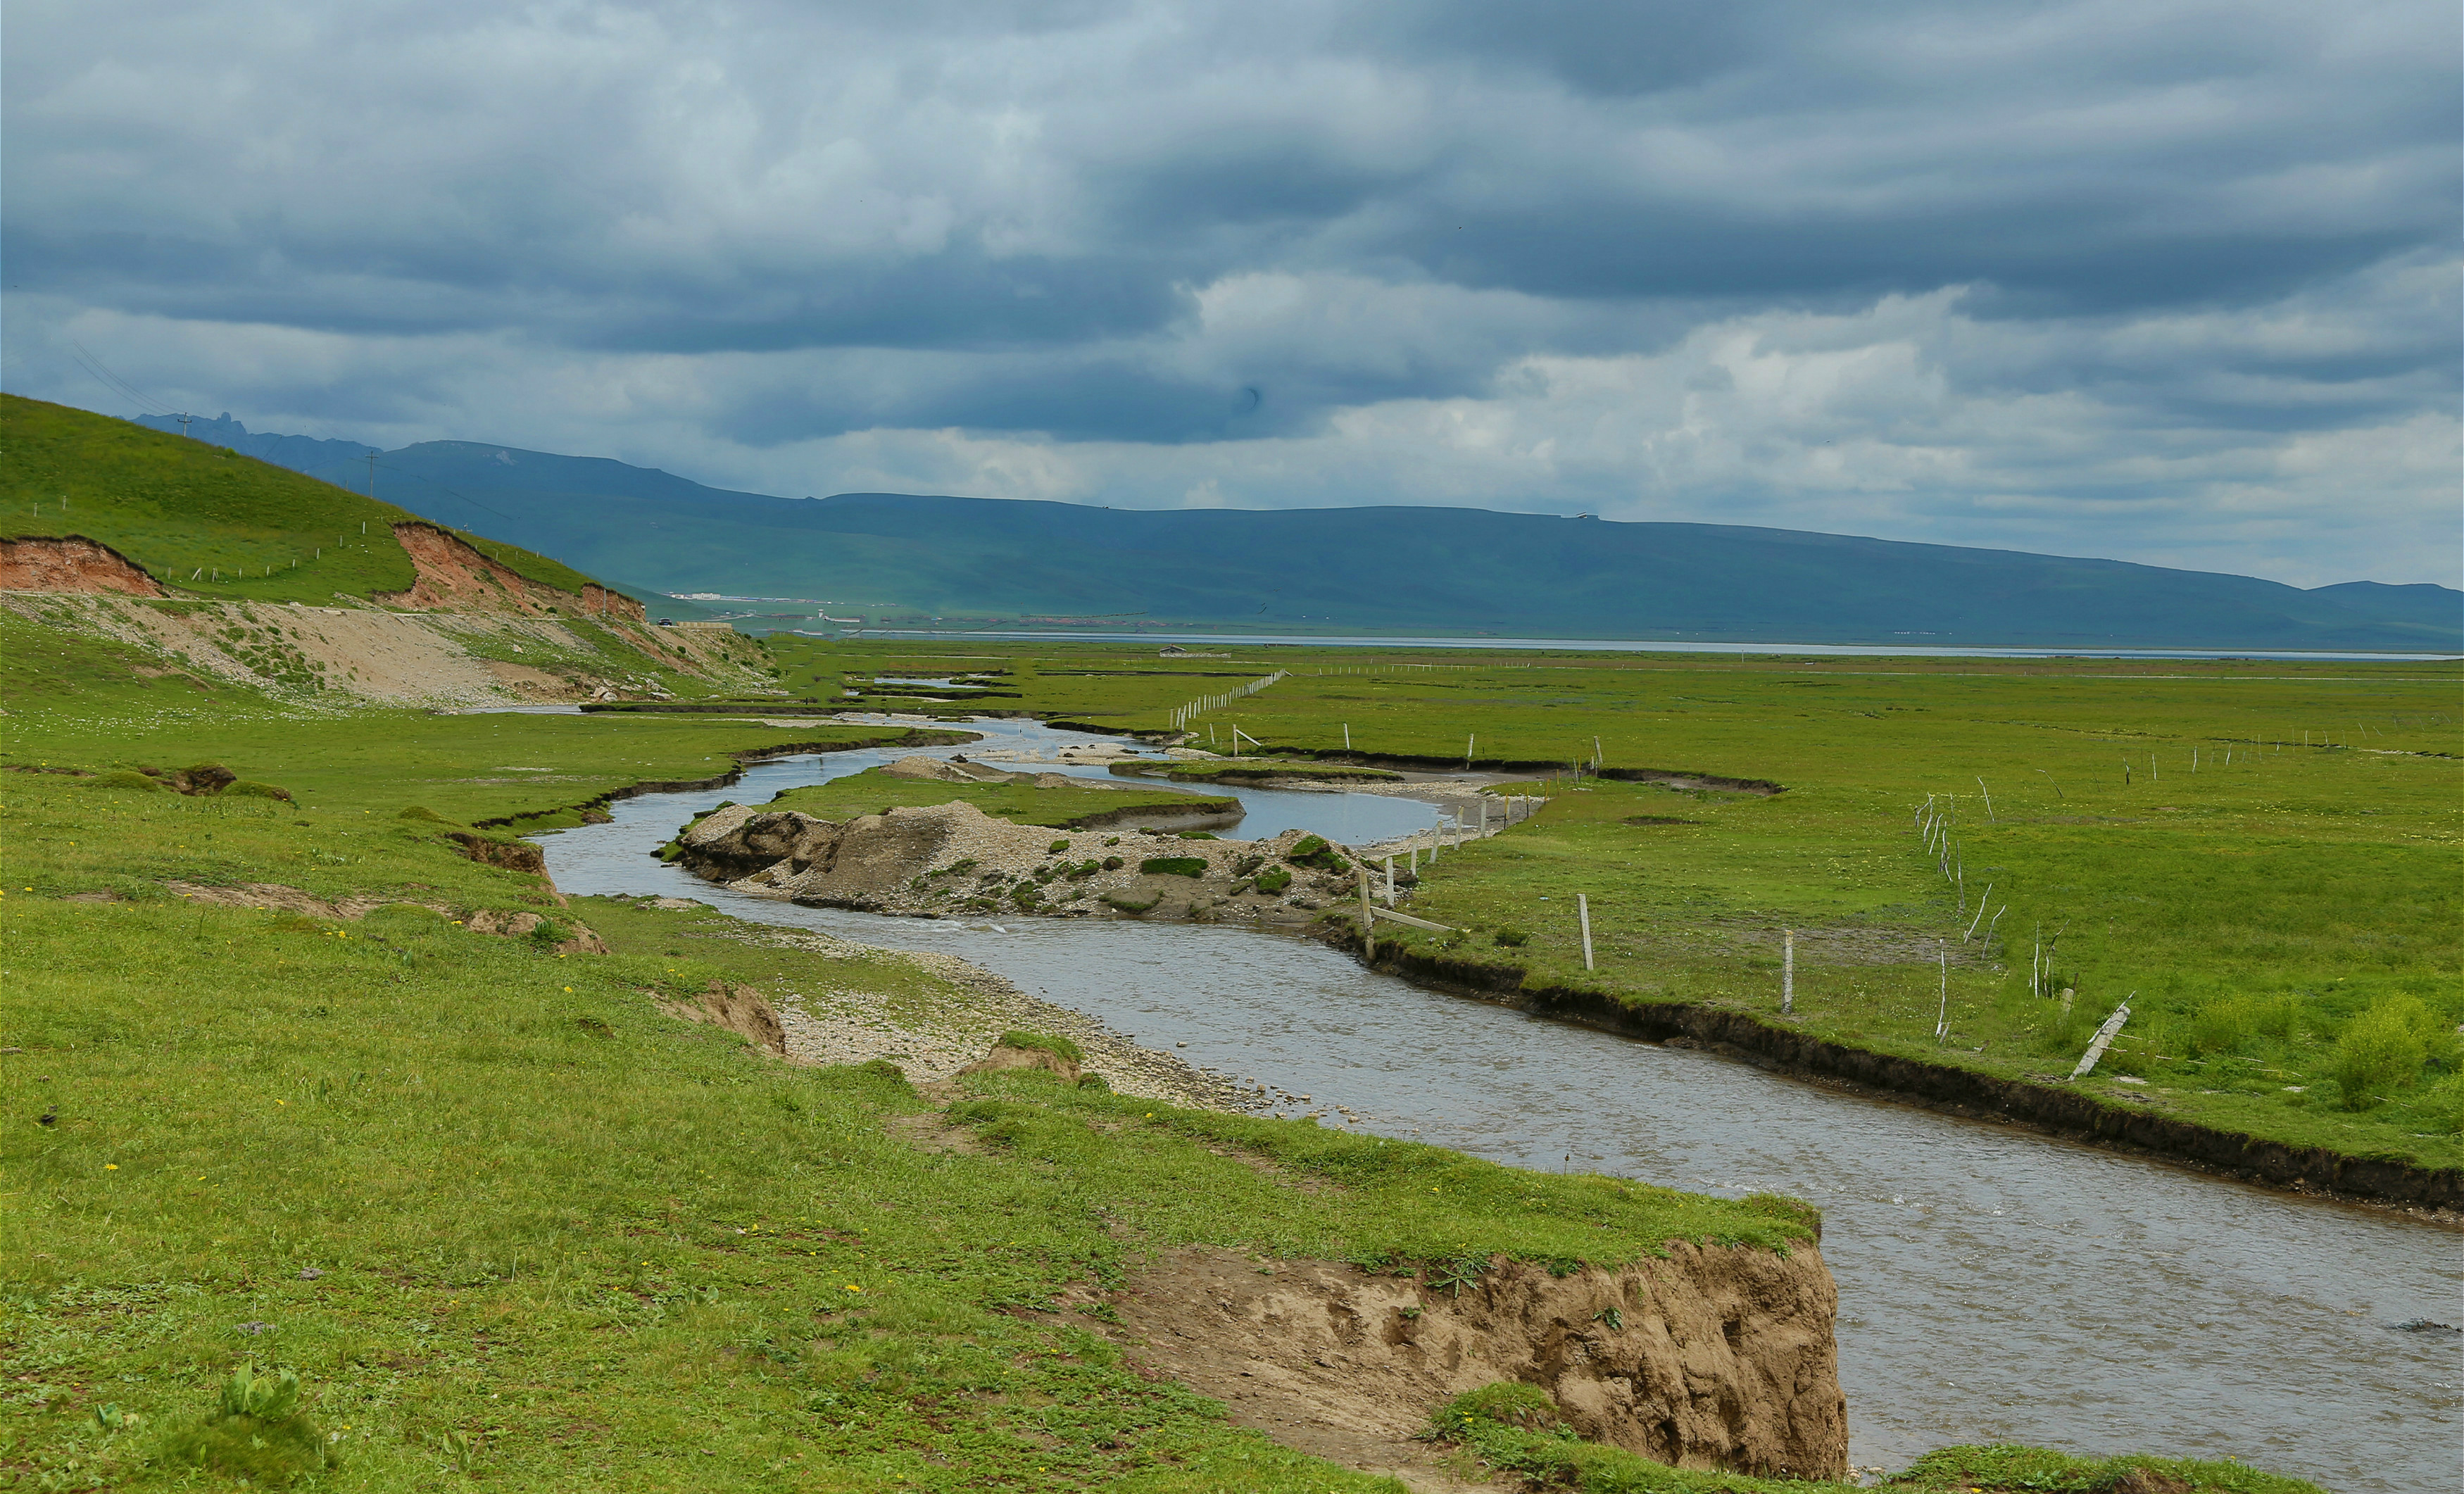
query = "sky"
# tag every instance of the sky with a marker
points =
(2162, 280)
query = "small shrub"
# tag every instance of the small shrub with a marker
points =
(256, 1433)
(1505, 1403)
(125, 777)
(1174, 866)
(2280, 1019)
(882, 1069)
(1273, 880)
(1094, 1082)
(2382, 1049)
(1043, 1043)
(1312, 850)
(1027, 894)
(2220, 1027)
(1513, 938)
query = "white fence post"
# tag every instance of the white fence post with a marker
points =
(1583, 913)
(1787, 972)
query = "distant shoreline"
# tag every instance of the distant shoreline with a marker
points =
(1640, 646)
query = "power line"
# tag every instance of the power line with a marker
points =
(112, 382)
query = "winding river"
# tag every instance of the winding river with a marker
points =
(1995, 1284)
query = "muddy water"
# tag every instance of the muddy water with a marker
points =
(1995, 1284)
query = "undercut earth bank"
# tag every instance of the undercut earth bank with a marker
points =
(1713, 1358)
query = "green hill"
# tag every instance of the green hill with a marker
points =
(1380, 570)
(206, 519)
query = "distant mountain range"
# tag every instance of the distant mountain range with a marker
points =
(1429, 570)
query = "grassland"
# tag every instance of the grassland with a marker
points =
(206, 519)
(508, 1220)
(875, 792)
(2280, 860)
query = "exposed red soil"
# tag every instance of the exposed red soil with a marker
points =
(71, 563)
(454, 577)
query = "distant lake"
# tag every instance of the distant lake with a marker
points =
(1630, 646)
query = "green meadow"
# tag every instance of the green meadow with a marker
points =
(507, 1220)
(2260, 857)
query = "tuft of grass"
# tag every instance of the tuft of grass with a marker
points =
(1041, 1042)
(256, 1433)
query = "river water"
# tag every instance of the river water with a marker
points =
(1995, 1284)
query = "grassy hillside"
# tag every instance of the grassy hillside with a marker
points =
(1454, 571)
(206, 519)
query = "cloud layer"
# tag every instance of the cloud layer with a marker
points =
(2162, 280)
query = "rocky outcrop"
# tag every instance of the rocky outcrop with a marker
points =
(1714, 1357)
(955, 859)
(71, 563)
(454, 577)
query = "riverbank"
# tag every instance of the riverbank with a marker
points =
(1757, 1039)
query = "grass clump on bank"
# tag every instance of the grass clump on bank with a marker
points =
(1073, 809)
(1255, 768)
(1517, 1429)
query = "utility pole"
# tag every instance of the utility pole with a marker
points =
(372, 476)
(184, 424)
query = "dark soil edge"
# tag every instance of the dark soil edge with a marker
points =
(1674, 778)
(1774, 1045)
(919, 737)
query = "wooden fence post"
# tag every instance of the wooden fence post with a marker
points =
(1583, 911)
(1368, 918)
(2105, 1037)
(1787, 971)
(1942, 1017)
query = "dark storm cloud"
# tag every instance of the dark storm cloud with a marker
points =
(1194, 227)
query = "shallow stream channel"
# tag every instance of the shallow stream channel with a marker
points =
(1996, 1284)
